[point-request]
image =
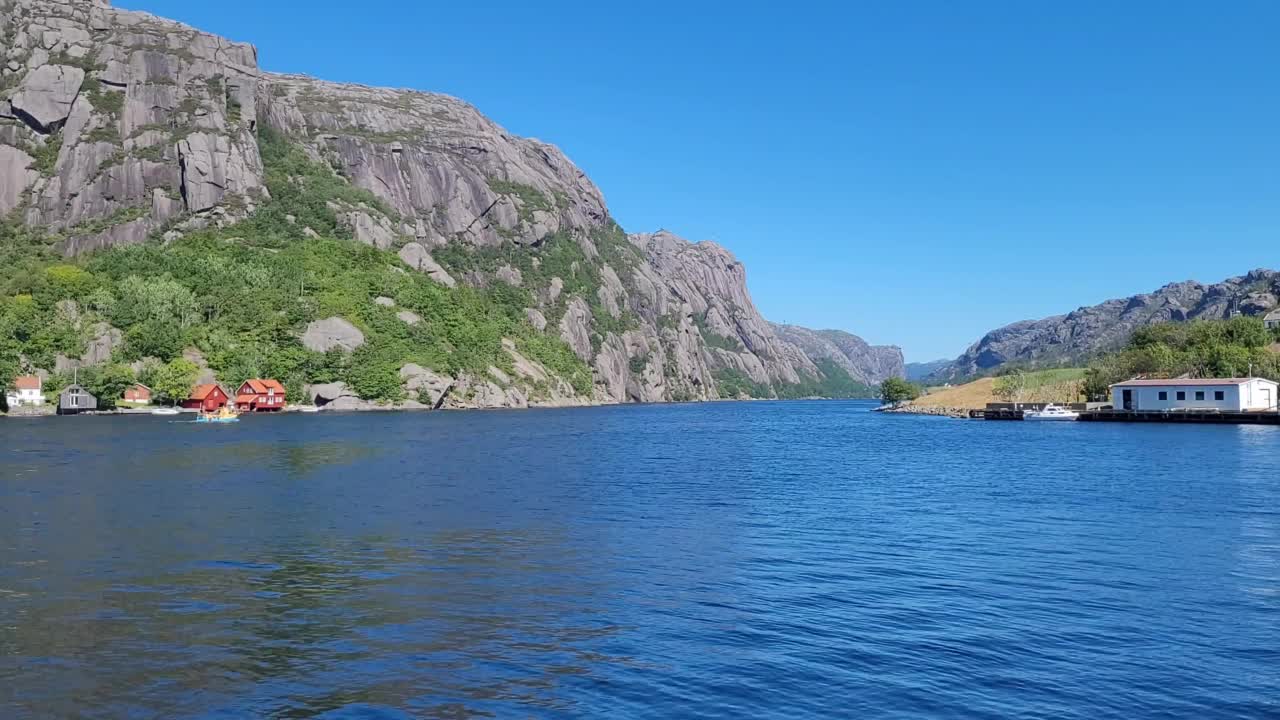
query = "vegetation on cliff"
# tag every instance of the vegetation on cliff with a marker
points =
(241, 295)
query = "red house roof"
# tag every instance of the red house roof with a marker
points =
(27, 382)
(203, 391)
(262, 387)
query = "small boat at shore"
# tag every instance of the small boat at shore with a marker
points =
(225, 415)
(166, 411)
(1051, 412)
(306, 409)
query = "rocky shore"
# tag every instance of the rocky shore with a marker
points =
(910, 409)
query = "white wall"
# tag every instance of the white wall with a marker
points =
(1253, 395)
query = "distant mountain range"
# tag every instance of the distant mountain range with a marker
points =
(1079, 335)
(920, 371)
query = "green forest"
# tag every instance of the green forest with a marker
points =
(1239, 347)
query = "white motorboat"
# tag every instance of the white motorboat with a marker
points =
(1051, 412)
(166, 411)
(306, 408)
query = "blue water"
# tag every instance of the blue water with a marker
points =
(763, 560)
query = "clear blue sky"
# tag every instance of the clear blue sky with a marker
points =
(875, 165)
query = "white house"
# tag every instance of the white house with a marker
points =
(26, 390)
(1272, 319)
(1226, 395)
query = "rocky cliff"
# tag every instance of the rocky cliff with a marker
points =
(117, 127)
(1076, 336)
(868, 364)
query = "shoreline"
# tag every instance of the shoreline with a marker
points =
(419, 408)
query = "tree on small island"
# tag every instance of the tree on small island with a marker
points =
(896, 390)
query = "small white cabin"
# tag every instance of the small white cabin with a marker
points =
(1222, 394)
(26, 390)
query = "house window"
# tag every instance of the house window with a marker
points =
(1219, 395)
(1182, 395)
(1164, 394)
(1199, 395)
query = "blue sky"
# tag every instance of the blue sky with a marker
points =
(916, 172)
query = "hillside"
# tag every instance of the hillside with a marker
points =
(1089, 331)
(361, 243)
(1060, 386)
(868, 364)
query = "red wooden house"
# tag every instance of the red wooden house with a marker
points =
(260, 396)
(138, 394)
(208, 398)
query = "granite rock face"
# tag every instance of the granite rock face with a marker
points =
(121, 108)
(1089, 330)
(868, 364)
(117, 125)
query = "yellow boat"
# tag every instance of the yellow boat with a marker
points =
(224, 415)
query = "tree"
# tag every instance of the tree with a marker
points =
(108, 384)
(1011, 387)
(897, 390)
(172, 382)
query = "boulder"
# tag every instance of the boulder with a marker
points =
(419, 380)
(536, 319)
(416, 256)
(384, 301)
(370, 230)
(510, 276)
(408, 317)
(330, 333)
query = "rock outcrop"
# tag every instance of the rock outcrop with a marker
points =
(866, 363)
(1076, 336)
(333, 333)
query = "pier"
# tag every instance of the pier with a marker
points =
(1182, 416)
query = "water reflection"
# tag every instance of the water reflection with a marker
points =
(781, 560)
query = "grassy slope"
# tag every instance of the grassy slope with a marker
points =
(1062, 385)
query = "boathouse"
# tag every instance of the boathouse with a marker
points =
(208, 397)
(260, 396)
(1272, 320)
(75, 399)
(1206, 394)
(139, 394)
(26, 390)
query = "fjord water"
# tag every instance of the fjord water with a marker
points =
(806, 559)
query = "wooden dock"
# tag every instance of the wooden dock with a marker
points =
(1182, 416)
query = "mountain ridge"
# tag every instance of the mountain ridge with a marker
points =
(1089, 330)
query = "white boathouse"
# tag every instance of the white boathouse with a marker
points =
(1221, 394)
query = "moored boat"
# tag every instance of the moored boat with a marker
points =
(166, 411)
(1051, 412)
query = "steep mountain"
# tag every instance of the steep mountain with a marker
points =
(494, 272)
(921, 371)
(868, 364)
(1076, 336)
